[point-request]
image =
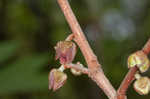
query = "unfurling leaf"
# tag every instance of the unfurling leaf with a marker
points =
(142, 85)
(65, 51)
(140, 60)
(56, 79)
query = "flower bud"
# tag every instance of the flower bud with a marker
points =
(75, 72)
(142, 85)
(56, 79)
(137, 75)
(140, 60)
(65, 51)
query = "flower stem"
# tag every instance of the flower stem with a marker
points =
(126, 82)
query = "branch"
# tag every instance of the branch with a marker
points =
(146, 48)
(70, 37)
(121, 93)
(95, 71)
(126, 83)
(78, 67)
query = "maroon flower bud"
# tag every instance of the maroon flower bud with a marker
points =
(56, 79)
(65, 51)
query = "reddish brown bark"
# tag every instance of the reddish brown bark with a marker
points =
(94, 68)
(146, 48)
(95, 71)
(121, 93)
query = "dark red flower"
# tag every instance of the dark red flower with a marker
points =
(65, 51)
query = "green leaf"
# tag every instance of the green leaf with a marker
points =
(24, 75)
(7, 49)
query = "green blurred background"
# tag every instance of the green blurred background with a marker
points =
(29, 30)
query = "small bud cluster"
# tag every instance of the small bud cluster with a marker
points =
(65, 52)
(140, 59)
